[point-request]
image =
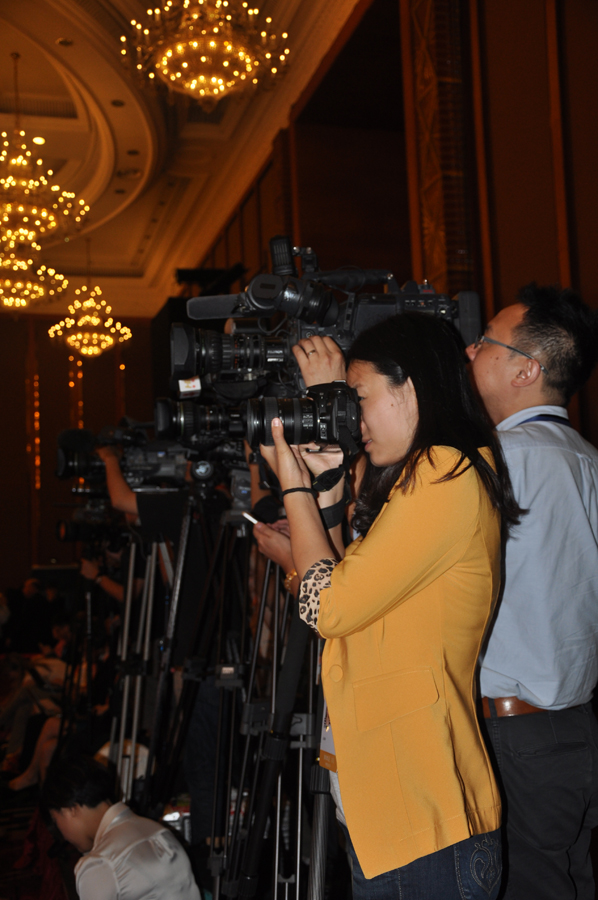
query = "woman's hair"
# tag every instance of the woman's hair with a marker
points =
(77, 781)
(425, 349)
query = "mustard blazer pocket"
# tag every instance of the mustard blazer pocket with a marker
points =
(384, 698)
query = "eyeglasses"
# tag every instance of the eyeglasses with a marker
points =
(482, 339)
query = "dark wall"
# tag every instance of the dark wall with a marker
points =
(337, 177)
(15, 518)
(30, 512)
(541, 121)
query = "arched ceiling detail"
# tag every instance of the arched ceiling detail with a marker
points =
(161, 183)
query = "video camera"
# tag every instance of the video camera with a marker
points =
(94, 525)
(257, 359)
(239, 365)
(142, 462)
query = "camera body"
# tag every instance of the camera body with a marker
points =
(253, 360)
(143, 462)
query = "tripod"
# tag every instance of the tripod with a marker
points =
(268, 725)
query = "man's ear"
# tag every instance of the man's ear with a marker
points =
(527, 374)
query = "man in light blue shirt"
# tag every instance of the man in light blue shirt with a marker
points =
(540, 664)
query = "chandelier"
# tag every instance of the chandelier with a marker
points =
(206, 48)
(33, 210)
(24, 282)
(90, 327)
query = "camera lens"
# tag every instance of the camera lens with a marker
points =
(298, 416)
(74, 464)
(238, 352)
(189, 421)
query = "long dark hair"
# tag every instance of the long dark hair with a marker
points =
(425, 349)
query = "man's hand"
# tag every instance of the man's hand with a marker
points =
(106, 452)
(320, 359)
(90, 569)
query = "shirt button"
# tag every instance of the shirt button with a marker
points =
(336, 673)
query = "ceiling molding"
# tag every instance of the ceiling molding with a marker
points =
(162, 185)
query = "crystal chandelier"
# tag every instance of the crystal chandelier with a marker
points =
(24, 282)
(33, 210)
(90, 327)
(206, 48)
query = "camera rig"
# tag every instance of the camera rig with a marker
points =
(253, 372)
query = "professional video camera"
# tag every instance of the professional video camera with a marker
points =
(257, 358)
(94, 524)
(142, 462)
(329, 414)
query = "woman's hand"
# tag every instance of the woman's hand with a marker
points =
(274, 545)
(320, 360)
(282, 525)
(285, 461)
(318, 460)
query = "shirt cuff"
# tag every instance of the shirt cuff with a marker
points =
(315, 579)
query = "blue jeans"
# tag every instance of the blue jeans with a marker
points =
(469, 870)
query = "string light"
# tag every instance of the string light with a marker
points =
(37, 460)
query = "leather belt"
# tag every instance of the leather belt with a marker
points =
(509, 706)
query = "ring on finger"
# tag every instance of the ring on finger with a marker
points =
(309, 352)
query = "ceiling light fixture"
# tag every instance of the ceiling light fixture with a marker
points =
(89, 326)
(23, 282)
(206, 48)
(33, 208)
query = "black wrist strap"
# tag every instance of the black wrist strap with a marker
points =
(301, 490)
(328, 479)
(334, 515)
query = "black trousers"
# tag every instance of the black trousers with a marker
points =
(547, 767)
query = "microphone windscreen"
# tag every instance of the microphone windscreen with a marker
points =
(219, 307)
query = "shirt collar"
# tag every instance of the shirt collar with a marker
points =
(528, 413)
(111, 814)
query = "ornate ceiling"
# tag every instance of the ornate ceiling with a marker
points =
(161, 178)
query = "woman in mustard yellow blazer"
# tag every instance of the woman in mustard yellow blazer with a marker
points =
(404, 614)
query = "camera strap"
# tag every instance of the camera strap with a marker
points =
(329, 479)
(334, 515)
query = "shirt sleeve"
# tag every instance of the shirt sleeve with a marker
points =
(418, 537)
(315, 579)
(96, 879)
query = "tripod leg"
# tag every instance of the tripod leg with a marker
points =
(275, 749)
(123, 657)
(167, 653)
(319, 838)
(143, 631)
(320, 788)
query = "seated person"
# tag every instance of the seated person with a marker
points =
(124, 855)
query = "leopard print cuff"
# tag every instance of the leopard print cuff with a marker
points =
(315, 579)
